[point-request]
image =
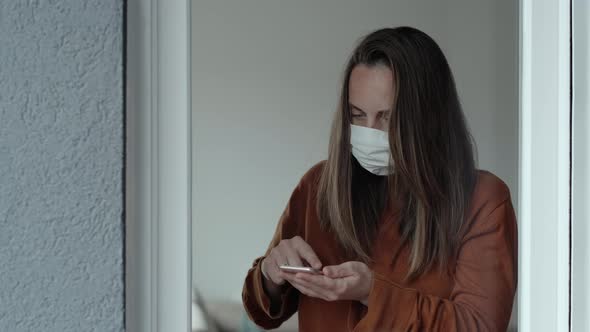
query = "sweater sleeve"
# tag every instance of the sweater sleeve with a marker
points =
(484, 286)
(256, 301)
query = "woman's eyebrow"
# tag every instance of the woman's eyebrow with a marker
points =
(356, 107)
(359, 109)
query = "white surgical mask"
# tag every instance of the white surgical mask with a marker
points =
(371, 148)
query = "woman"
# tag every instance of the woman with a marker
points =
(408, 234)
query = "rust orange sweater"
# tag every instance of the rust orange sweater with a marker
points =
(476, 295)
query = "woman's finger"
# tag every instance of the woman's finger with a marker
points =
(320, 281)
(272, 268)
(322, 292)
(306, 252)
(340, 271)
(306, 291)
(309, 291)
(292, 257)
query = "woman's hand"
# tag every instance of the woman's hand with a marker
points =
(291, 252)
(347, 281)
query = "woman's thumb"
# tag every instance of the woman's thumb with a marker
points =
(332, 271)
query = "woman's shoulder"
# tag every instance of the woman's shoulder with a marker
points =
(490, 185)
(309, 182)
(489, 193)
(311, 177)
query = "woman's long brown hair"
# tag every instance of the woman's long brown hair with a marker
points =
(432, 150)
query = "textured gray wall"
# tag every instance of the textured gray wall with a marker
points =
(61, 166)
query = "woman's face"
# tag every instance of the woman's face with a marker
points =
(371, 94)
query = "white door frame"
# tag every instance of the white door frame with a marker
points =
(158, 171)
(158, 177)
(581, 168)
(544, 273)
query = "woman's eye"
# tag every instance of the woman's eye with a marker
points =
(357, 115)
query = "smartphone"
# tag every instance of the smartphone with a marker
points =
(296, 269)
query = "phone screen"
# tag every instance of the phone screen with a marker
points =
(296, 269)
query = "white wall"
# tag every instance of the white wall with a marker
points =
(481, 44)
(266, 78)
(581, 169)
